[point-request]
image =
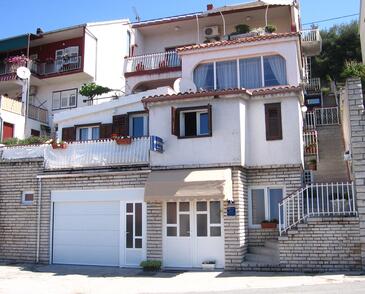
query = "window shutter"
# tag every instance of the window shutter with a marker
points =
(69, 134)
(106, 131)
(175, 121)
(121, 124)
(273, 121)
(210, 120)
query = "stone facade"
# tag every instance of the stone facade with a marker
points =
(357, 135)
(154, 231)
(322, 244)
(257, 237)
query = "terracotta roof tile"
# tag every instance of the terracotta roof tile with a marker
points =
(201, 94)
(237, 41)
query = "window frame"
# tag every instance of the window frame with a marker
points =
(90, 129)
(268, 136)
(239, 72)
(143, 114)
(266, 201)
(59, 93)
(27, 202)
(177, 224)
(207, 212)
(198, 110)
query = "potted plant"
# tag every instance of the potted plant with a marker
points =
(242, 29)
(151, 265)
(266, 224)
(208, 265)
(162, 64)
(140, 66)
(312, 164)
(310, 148)
(123, 140)
(59, 145)
(270, 29)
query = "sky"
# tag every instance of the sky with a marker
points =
(25, 16)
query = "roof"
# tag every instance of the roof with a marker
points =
(237, 41)
(201, 94)
(215, 11)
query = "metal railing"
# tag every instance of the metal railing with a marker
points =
(11, 105)
(309, 120)
(313, 85)
(310, 139)
(162, 60)
(317, 200)
(8, 68)
(57, 66)
(327, 116)
(311, 35)
(97, 153)
(37, 113)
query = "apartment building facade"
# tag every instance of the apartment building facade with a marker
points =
(208, 145)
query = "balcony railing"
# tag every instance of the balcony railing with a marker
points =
(310, 139)
(313, 85)
(56, 66)
(311, 42)
(164, 60)
(37, 113)
(8, 68)
(98, 153)
(11, 105)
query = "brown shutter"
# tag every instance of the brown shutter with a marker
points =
(121, 125)
(210, 120)
(69, 134)
(106, 131)
(273, 121)
(175, 123)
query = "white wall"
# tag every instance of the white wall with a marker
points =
(259, 151)
(15, 119)
(287, 48)
(223, 147)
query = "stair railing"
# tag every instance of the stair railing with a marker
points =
(317, 200)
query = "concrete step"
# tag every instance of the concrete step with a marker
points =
(274, 244)
(259, 258)
(261, 250)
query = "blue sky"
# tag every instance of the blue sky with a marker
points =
(22, 16)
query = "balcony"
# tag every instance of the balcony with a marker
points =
(153, 63)
(313, 86)
(11, 105)
(86, 154)
(38, 113)
(56, 66)
(311, 42)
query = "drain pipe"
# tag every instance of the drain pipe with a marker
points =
(266, 12)
(39, 218)
(197, 29)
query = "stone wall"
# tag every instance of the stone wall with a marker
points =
(154, 231)
(354, 99)
(18, 222)
(322, 244)
(257, 237)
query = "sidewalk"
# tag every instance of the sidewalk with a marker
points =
(84, 279)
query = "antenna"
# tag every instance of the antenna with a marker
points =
(137, 17)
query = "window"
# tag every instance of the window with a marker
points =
(208, 218)
(192, 122)
(273, 121)
(264, 204)
(178, 219)
(249, 73)
(274, 71)
(27, 197)
(138, 124)
(88, 133)
(64, 99)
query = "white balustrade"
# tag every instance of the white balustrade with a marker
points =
(317, 200)
(310, 139)
(310, 35)
(84, 154)
(327, 116)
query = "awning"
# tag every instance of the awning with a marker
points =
(14, 43)
(189, 185)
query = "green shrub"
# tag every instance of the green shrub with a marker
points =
(27, 141)
(270, 29)
(242, 29)
(354, 69)
(11, 141)
(151, 265)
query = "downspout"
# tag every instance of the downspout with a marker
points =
(266, 12)
(224, 23)
(39, 218)
(197, 29)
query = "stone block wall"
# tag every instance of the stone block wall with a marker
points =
(154, 231)
(18, 222)
(257, 237)
(322, 244)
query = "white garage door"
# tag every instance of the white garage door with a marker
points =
(86, 233)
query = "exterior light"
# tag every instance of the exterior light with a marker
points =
(304, 109)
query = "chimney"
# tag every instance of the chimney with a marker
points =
(39, 31)
(210, 7)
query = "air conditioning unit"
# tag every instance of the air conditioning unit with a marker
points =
(211, 32)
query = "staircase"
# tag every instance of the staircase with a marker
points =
(331, 166)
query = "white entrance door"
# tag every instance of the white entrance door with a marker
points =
(134, 235)
(86, 233)
(193, 233)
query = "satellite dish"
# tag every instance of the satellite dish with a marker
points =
(23, 73)
(184, 85)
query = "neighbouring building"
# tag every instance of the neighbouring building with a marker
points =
(208, 158)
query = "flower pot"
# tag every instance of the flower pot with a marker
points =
(208, 266)
(59, 145)
(124, 141)
(268, 225)
(312, 166)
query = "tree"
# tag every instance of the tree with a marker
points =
(340, 43)
(91, 90)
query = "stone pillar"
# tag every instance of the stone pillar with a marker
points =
(154, 231)
(354, 96)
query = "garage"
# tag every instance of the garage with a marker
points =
(98, 227)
